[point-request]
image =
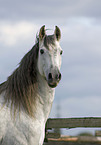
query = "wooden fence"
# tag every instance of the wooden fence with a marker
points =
(68, 123)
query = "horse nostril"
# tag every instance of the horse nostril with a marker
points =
(50, 76)
(58, 76)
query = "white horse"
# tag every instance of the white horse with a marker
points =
(26, 97)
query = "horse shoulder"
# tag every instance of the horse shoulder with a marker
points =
(21, 131)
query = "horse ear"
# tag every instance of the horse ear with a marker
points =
(42, 33)
(57, 33)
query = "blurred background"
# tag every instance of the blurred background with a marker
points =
(79, 92)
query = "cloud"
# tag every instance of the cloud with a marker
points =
(16, 38)
(12, 33)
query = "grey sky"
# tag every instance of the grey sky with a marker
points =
(79, 92)
(49, 9)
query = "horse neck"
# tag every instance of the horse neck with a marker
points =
(45, 98)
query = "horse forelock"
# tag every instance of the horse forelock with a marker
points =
(49, 40)
(21, 87)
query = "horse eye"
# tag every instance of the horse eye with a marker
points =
(41, 51)
(61, 52)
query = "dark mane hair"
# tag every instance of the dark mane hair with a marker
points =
(22, 84)
(21, 87)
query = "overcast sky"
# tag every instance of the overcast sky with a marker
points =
(79, 92)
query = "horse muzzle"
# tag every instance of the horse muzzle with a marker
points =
(53, 79)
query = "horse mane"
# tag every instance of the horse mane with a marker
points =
(21, 87)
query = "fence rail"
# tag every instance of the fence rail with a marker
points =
(86, 122)
(73, 122)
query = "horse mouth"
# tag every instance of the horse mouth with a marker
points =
(52, 85)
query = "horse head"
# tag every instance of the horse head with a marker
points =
(49, 57)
